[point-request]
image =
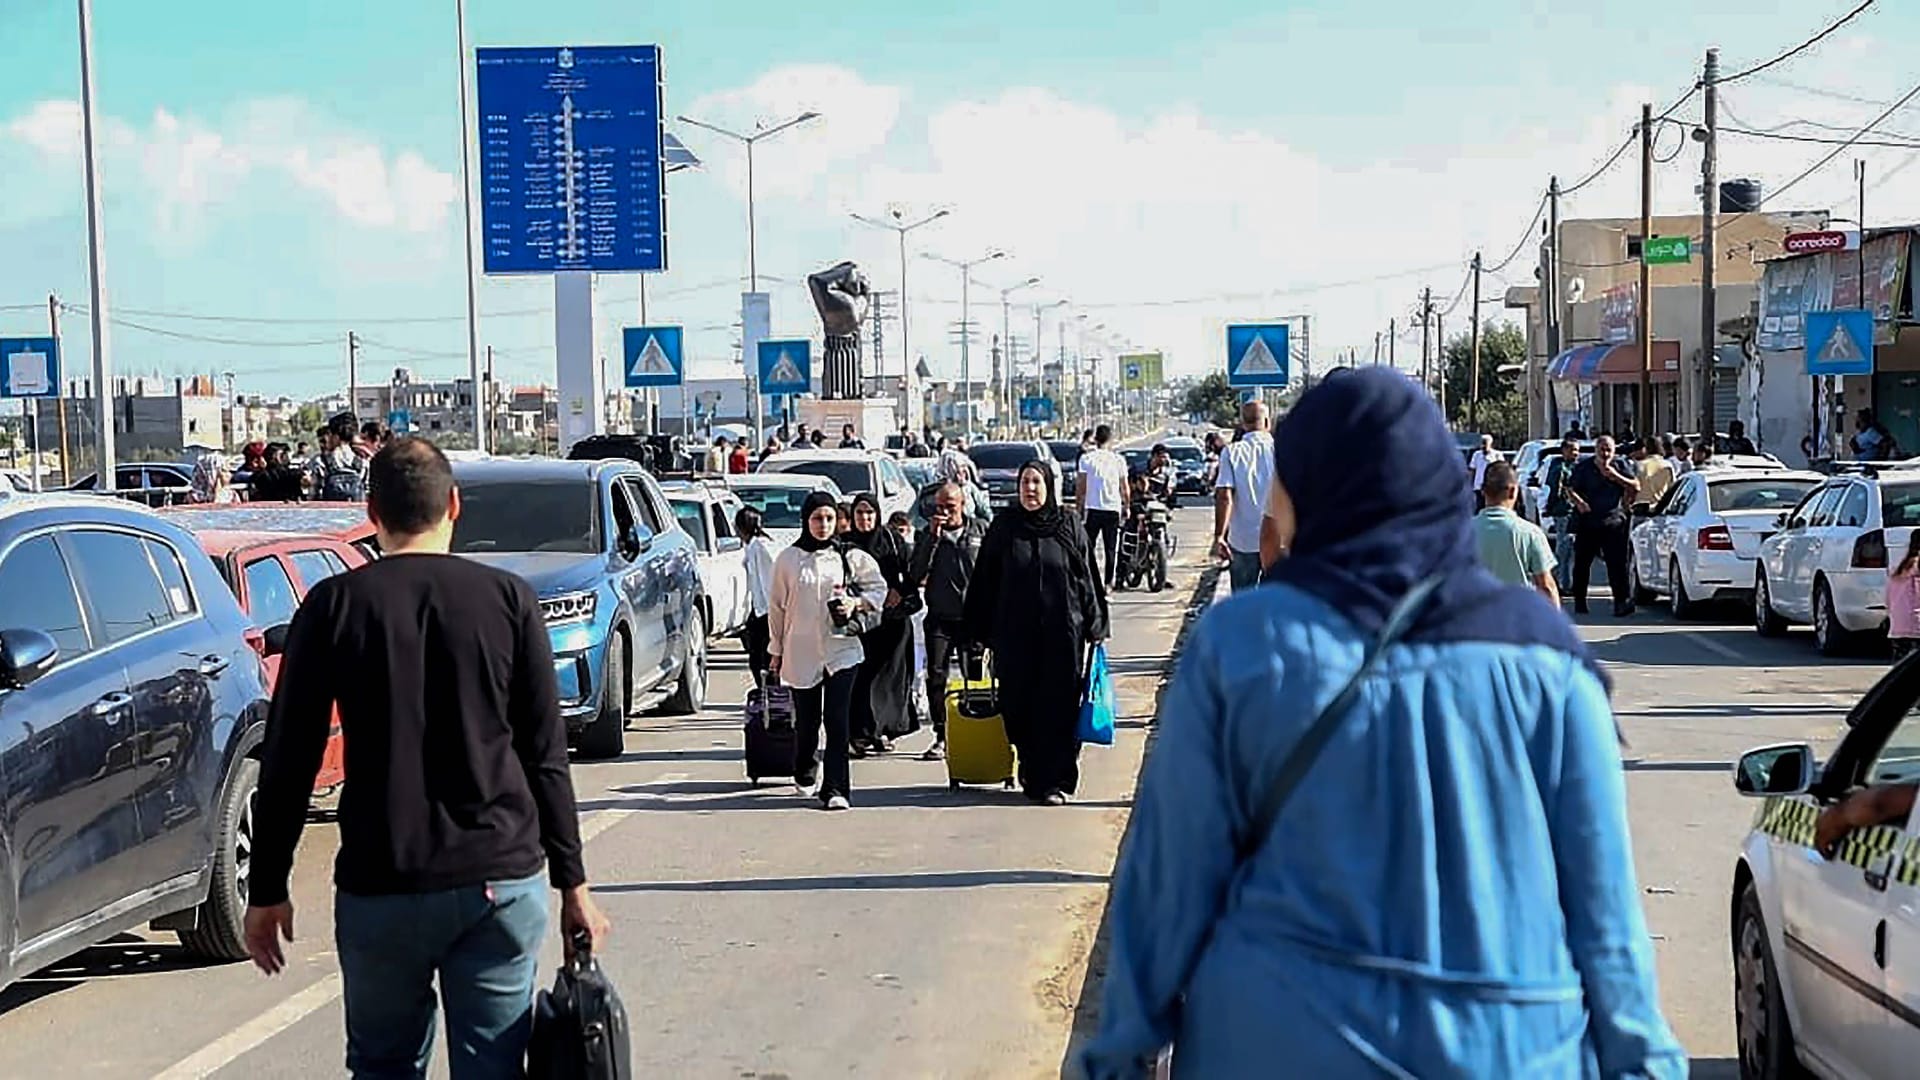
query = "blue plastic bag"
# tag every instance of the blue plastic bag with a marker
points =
(1096, 700)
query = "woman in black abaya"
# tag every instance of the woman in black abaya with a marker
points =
(882, 690)
(1035, 602)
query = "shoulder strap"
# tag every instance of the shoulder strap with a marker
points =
(1301, 757)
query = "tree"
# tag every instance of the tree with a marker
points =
(1503, 406)
(1213, 399)
(307, 420)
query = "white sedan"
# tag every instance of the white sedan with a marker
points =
(1826, 951)
(1700, 542)
(705, 512)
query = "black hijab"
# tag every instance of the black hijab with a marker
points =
(880, 542)
(1048, 521)
(808, 542)
(1374, 524)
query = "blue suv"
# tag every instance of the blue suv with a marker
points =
(131, 704)
(619, 583)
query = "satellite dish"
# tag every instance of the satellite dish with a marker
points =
(1576, 288)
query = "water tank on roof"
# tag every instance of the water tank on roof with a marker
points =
(1740, 196)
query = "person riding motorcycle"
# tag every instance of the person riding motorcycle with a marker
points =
(1161, 479)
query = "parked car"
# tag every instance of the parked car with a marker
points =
(705, 511)
(1189, 465)
(1826, 951)
(132, 703)
(345, 522)
(153, 483)
(1700, 542)
(779, 497)
(853, 472)
(1067, 453)
(999, 464)
(271, 574)
(1825, 561)
(920, 471)
(619, 583)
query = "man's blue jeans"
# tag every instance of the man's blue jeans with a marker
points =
(1243, 570)
(1563, 552)
(483, 941)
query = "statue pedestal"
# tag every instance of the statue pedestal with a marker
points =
(872, 418)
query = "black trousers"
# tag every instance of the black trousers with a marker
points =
(1609, 541)
(827, 704)
(757, 639)
(1103, 531)
(943, 637)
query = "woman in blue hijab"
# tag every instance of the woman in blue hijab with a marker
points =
(1450, 890)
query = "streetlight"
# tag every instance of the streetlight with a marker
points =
(760, 131)
(1040, 366)
(96, 271)
(966, 327)
(903, 227)
(1003, 390)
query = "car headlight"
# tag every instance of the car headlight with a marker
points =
(569, 607)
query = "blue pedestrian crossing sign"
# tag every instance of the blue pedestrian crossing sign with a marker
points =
(1257, 354)
(29, 367)
(651, 356)
(786, 367)
(1840, 342)
(400, 422)
(1036, 410)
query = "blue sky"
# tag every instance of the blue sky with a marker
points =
(1166, 167)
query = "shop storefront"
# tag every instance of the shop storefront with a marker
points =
(1599, 385)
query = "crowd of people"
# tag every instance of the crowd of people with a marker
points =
(332, 469)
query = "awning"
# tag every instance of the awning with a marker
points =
(1615, 364)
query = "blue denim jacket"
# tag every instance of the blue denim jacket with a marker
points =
(1450, 891)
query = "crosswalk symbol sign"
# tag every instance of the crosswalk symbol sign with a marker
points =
(1257, 355)
(1840, 342)
(652, 356)
(786, 367)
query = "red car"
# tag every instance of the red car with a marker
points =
(270, 572)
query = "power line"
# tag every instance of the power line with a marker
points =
(1632, 138)
(1819, 91)
(1821, 141)
(1797, 49)
(1822, 163)
(1525, 236)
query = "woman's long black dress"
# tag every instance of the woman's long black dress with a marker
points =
(1034, 601)
(882, 691)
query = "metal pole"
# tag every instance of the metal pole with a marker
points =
(1440, 359)
(906, 343)
(748, 365)
(1473, 358)
(481, 440)
(96, 265)
(1860, 262)
(753, 260)
(1709, 208)
(966, 331)
(1393, 332)
(1645, 331)
(353, 375)
(1003, 381)
(1426, 328)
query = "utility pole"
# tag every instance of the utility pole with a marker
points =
(1473, 371)
(1645, 331)
(1709, 210)
(1550, 275)
(353, 374)
(489, 407)
(1426, 326)
(103, 418)
(1393, 332)
(1440, 359)
(1376, 348)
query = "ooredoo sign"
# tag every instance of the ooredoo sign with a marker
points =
(1829, 240)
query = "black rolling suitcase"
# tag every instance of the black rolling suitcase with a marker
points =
(580, 1026)
(770, 732)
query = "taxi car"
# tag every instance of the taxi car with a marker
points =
(1826, 951)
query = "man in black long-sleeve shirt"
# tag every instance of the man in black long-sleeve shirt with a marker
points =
(1601, 489)
(457, 786)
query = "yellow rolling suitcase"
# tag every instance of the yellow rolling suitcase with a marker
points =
(977, 748)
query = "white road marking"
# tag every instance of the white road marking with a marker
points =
(1716, 648)
(225, 1050)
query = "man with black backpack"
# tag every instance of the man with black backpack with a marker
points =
(941, 568)
(341, 475)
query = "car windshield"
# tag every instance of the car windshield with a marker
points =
(1186, 453)
(1001, 455)
(1064, 451)
(851, 477)
(527, 515)
(1899, 505)
(779, 507)
(1757, 494)
(692, 517)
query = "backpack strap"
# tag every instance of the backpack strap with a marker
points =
(1293, 769)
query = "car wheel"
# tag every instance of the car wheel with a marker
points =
(219, 930)
(1766, 622)
(606, 736)
(1829, 636)
(1765, 1035)
(690, 690)
(1684, 606)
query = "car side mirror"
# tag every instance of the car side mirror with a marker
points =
(1642, 510)
(731, 543)
(274, 641)
(25, 655)
(1781, 769)
(637, 539)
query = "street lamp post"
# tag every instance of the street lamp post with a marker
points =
(902, 227)
(1003, 388)
(966, 274)
(96, 271)
(761, 131)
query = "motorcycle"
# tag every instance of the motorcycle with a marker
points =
(1146, 548)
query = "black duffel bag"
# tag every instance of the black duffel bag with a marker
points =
(580, 1026)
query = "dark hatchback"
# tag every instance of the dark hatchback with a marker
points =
(132, 701)
(1067, 453)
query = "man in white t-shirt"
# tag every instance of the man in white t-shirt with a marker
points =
(1102, 498)
(1240, 490)
(1482, 458)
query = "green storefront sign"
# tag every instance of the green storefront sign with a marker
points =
(1667, 249)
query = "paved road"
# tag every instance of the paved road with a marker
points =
(925, 933)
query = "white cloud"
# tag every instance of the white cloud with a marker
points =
(187, 166)
(856, 118)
